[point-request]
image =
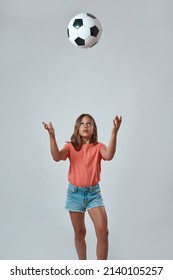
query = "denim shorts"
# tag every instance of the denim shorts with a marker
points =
(79, 199)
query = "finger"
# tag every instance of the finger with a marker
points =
(50, 124)
(45, 125)
(119, 119)
(115, 120)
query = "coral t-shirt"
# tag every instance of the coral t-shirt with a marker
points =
(85, 164)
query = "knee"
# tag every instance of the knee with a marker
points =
(102, 234)
(80, 234)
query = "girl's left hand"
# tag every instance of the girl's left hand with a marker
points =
(116, 123)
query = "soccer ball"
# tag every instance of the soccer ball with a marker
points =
(84, 30)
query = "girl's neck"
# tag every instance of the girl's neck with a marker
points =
(85, 141)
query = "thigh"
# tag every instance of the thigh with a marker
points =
(99, 217)
(78, 220)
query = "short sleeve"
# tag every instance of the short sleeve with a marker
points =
(102, 146)
(67, 148)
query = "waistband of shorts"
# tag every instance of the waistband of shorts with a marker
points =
(83, 189)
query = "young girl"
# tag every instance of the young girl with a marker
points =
(85, 154)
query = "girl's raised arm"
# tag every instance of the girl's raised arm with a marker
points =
(57, 154)
(109, 152)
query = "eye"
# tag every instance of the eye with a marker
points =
(87, 123)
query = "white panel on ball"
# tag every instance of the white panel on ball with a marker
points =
(73, 33)
(88, 21)
(84, 32)
(90, 41)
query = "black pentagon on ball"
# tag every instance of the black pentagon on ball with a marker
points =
(79, 41)
(68, 32)
(78, 23)
(94, 31)
(90, 15)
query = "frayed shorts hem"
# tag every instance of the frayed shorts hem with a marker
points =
(70, 210)
(83, 211)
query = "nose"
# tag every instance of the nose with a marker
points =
(86, 124)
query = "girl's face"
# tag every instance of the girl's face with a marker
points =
(86, 129)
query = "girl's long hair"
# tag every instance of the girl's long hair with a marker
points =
(76, 139)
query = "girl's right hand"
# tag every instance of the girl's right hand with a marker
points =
(49, 127)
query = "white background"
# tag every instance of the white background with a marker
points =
(45, 78)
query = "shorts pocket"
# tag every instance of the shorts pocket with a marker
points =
(96, 191)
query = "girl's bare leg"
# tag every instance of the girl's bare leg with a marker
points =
(77, 219)
(99, 218)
